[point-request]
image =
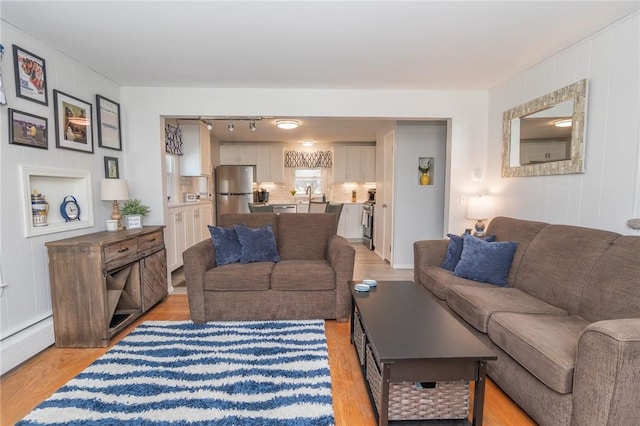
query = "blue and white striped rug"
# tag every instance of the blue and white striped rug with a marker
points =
(218, 373)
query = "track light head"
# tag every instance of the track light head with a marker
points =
(230, 126)
(209, 126)
(252, 126)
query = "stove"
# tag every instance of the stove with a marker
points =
(367, 223)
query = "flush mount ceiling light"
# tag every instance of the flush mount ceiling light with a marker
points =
(308, 143)
(287, 124)
(230, 127)
(563, 123)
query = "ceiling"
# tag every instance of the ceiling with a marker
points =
(412, 45)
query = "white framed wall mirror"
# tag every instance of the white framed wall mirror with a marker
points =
(546, 136)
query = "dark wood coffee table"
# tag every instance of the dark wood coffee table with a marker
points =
(416, 340)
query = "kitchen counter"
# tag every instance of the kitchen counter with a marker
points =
(188, 203)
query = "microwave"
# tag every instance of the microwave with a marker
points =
(190, 196)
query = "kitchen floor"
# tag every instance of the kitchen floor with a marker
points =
(367, 266)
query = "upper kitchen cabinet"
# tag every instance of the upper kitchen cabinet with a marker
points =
(196, 160)
(237, 154)
(270, 163)
(354, 164)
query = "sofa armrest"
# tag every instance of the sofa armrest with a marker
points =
(197, 259)
(428, 253)
(606, 381)
(341, 256)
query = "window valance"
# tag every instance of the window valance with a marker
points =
(173, 140)
(312, 160)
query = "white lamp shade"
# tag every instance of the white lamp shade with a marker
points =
(114, 189)
(480, 207)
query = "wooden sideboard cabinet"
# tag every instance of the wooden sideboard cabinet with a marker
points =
(102, 282)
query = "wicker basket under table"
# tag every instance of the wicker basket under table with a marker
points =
(447, 400)
(359, 338)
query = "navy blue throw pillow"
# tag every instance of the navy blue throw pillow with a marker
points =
(486, 262)
(454, 250)
(227, 245)
(258, 245)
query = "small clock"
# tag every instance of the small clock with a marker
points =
(70, 209)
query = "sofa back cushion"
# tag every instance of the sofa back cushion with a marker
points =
(558, 262)
(305, 236)
(250, 220)
(612, 286)
(521, 231)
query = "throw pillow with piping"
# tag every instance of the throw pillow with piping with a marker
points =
(486, 262)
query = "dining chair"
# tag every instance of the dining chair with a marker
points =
(260, 208)
(318, 206)
(335, 208)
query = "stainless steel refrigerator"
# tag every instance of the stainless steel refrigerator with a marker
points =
(234, 189)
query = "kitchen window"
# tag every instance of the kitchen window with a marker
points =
(304, 178)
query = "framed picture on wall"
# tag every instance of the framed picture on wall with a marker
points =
(73, 123)
(109, 134)
(31, 76)
(111, 170)
(28, 129)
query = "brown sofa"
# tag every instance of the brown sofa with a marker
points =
(309, 282)
(567, 328)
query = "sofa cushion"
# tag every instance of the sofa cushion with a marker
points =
(454, 250)
(303, 275)
(485, 261)
(258, 245)
(612, 287)
(545, 345)
(510, 229)
(438, 281)
(227, 245)
(239, 277)
(477, 304)
(300, 240)
(559, 261)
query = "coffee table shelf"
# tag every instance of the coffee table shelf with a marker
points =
(411, 338)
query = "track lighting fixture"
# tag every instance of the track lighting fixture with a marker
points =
(230, 127)
(252, 126)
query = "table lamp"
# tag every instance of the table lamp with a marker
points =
(480, 207)
(114, 190)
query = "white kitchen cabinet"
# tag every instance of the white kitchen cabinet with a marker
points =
(196, 147)
(270, 163)
(350, 223)
(354, 164)
(176, 241)
(187, 225)
(236, 154)
(542, 152)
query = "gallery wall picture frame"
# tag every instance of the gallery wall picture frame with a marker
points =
(111, 169)
(31, 76)
(74, 118)
(28, 129)
(109, 131)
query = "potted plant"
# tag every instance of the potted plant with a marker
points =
(133, 210)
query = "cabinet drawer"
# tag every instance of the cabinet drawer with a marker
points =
(148, 241)
(120, 250)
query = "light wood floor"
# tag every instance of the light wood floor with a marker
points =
(26, 386)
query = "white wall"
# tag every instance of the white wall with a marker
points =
(608, 193)
(418, 210)
(145, 106)
(25, 306)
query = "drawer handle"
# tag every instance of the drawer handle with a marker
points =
(151, 240)
(123, 250)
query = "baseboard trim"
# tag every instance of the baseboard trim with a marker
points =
(18, 348)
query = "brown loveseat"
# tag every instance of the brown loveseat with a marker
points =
(567, 328)
(309, 282)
